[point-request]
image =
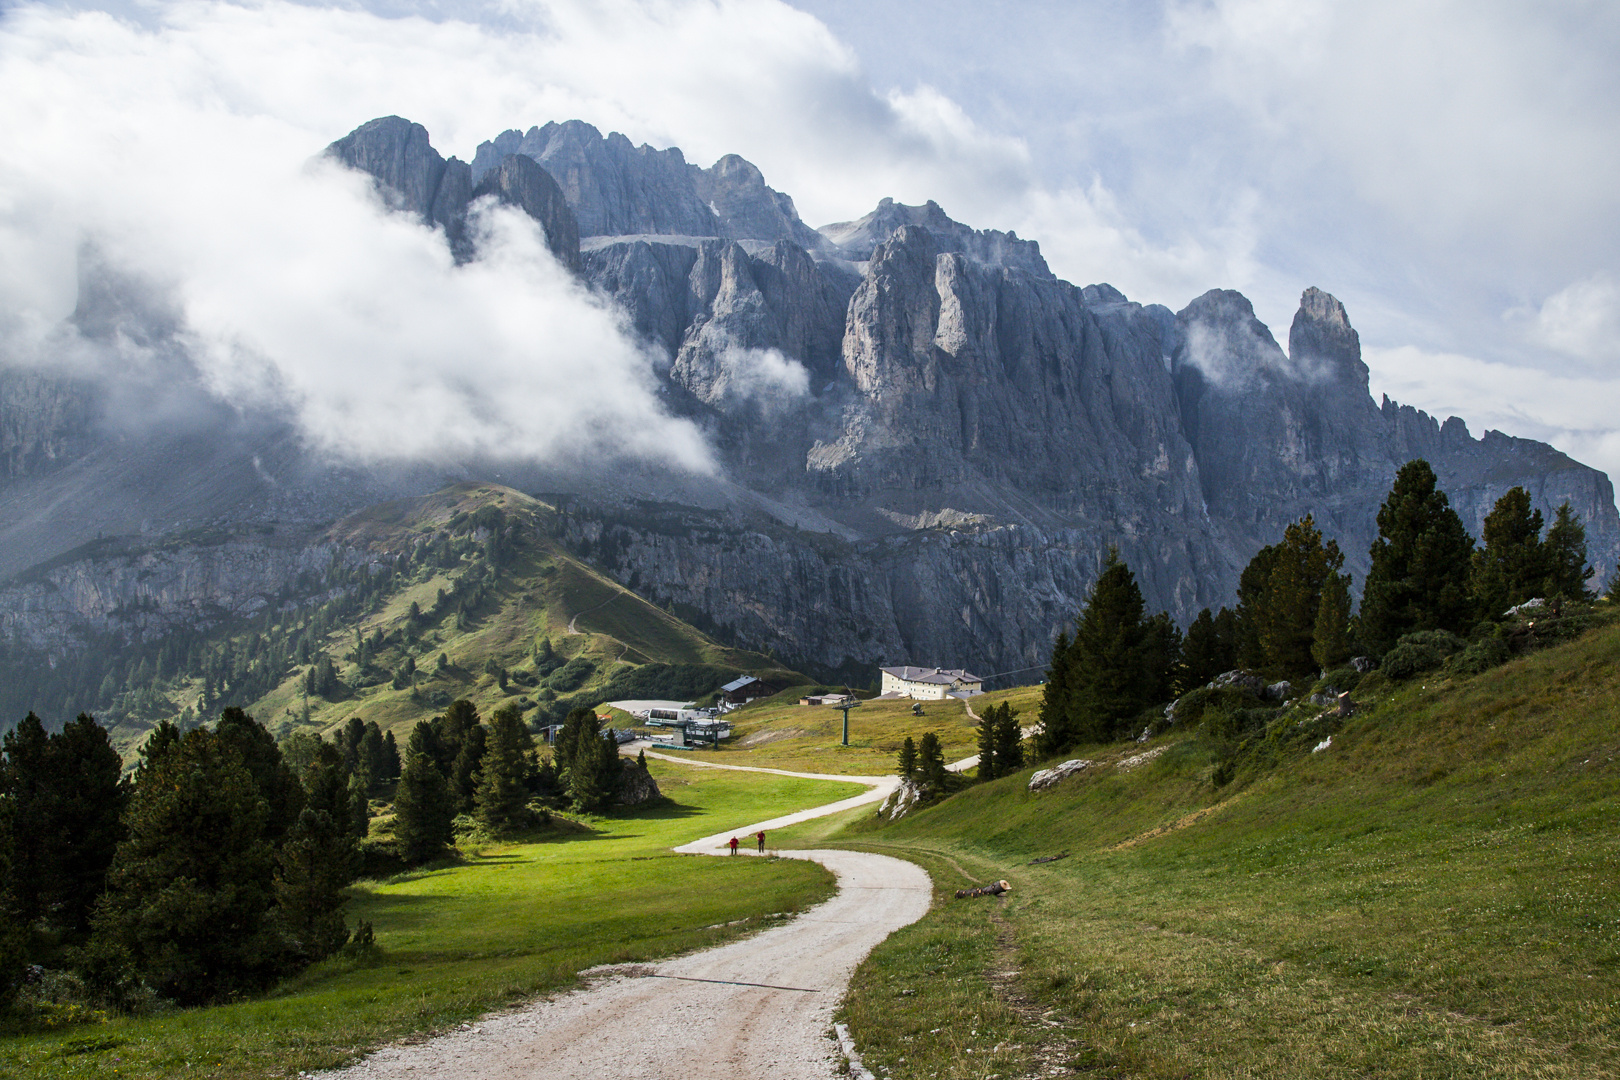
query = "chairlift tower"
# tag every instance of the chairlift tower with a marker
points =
(850, 702)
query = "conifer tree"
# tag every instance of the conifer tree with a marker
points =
(13, 930)
(463, 775)
(352, 734)
(1567, 569)
(1055, 698)
(502, 800)
(1511, 564)
(423, 808)
(1203, 654)
(316, 861)
(988, 769)
(189, 894)
(1420, 563)
(86, 822)
(29, 788)
(1331, 641)
(1286, 620)
(1009, 741)
(390, 758)
(257, 749)
(905, 762)
(159, 740)
(931, 762)
(1118, 663)
(1251, 613)
(358, 820)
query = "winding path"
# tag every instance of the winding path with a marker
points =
(753, 1009)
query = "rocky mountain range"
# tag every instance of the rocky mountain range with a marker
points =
(929, 440)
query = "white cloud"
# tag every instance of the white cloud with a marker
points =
(295, 289)
(1582, 320)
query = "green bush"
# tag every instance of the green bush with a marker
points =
(572, 675)
(1481, 656)
(1418, 652)
(1340, 679)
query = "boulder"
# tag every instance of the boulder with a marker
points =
(1278, 691)
(637, 785)
(1047, 777)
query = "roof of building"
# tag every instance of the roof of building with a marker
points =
(738, 683)
(934, 676)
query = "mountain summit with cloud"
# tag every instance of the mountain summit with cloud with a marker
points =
(892, 437)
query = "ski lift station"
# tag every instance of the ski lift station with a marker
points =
(681, 726)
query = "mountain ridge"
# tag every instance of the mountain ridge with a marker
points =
(928, 440)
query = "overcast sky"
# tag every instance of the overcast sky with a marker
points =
(1451, 171)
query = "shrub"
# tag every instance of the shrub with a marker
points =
(1340, 679)
(571, 675)
(1422, 651)
(1481, 656)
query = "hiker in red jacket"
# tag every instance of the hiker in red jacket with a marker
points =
(734, 845)
(760, 836)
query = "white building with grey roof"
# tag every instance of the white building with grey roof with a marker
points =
(930, 684)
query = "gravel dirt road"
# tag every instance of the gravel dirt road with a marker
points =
(756, 1009)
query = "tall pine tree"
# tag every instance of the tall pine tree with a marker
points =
(505, 776)
(1420, 563)
(1567, 569)
(423, 806)
(1510, 566)
(316, 861)
(189, 895)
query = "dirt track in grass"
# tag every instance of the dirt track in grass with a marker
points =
(756, 1008)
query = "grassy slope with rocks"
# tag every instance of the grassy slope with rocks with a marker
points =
(1433, 894)
(506, 923)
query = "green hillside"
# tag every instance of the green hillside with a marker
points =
(506, 601)
(462, 593)
(1434, 893)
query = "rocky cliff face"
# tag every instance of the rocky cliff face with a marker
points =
(131, 591)
(930, 440)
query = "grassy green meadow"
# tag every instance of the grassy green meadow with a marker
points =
(1436, 894)
(779, 733)
(505, 924)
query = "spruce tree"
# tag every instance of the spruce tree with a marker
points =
(1055, 699)
(463, 775)
(423, 808)
(1511, 564)
(988, 769)
(189, 894)
(1009, 741)
(1202, 655)
(931, 762)
(1420, 563)
(257, 749)
(1565, 546)
(1331, 641)
(1119, 663)
(86, 823)
(502, 802)
(905, 762)
(1300, 566)
(316, 861)
(30, 789)
(13, 930)
(1252, 614)
(390, 759)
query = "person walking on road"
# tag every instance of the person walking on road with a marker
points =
(760, 836)
(734, 845)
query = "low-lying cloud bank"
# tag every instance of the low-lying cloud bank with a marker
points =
(212, 242)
